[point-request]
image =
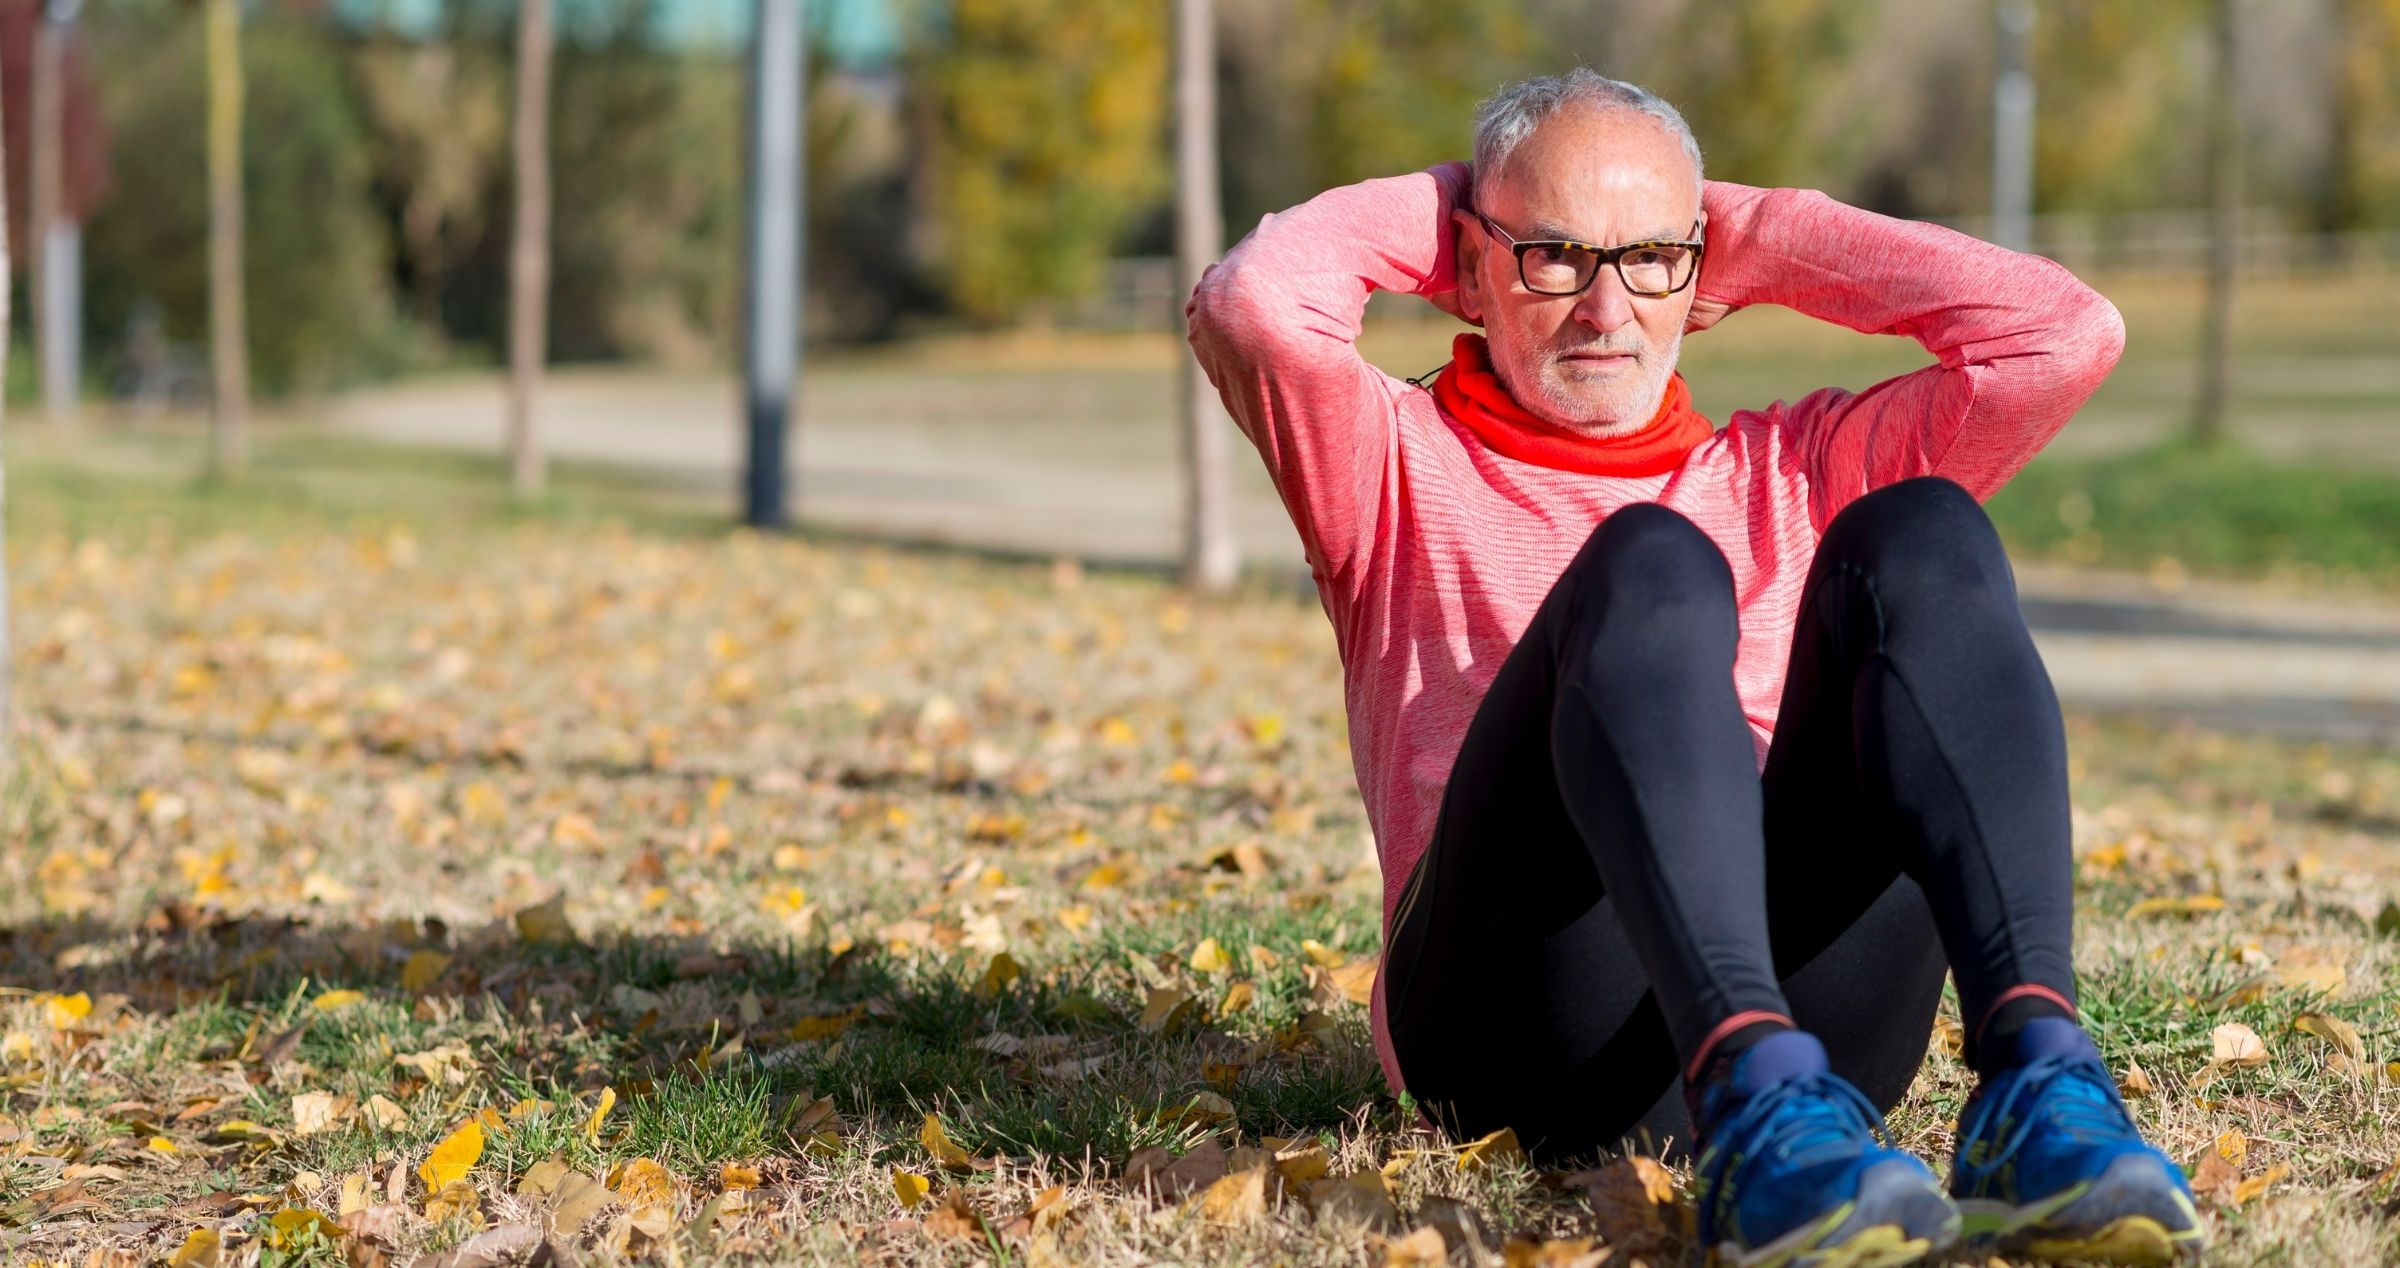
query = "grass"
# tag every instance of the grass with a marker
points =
(354, 726)
(2221, 510)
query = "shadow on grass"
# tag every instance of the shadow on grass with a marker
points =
(719, 1050)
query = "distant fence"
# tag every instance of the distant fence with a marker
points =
(1139, 292)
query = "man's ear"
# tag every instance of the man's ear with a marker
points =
(1471, 246)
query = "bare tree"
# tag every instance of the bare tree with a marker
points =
(7, 707)
(529, 251)
(2224, 193)
(1211, 555)
(228, 332)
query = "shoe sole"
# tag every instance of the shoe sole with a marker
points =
(1899, 1217)
(2132, 1213)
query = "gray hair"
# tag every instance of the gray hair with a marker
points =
(1510, 115)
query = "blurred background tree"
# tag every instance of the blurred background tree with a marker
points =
(1046, 123)
(988, 161)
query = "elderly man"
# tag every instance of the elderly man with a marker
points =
(1697, 755)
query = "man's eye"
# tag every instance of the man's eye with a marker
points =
(1640, 259)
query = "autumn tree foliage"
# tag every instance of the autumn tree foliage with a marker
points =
(1046, 120)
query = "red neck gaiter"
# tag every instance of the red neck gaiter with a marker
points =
(1469, 392)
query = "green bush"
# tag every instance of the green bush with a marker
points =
(315, 249)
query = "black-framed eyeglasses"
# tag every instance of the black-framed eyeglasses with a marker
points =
(1653, 269)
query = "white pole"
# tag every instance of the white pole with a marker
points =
(2012, 129)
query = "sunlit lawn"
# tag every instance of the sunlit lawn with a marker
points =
(360, 814)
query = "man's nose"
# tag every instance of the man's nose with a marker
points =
(1605, 304)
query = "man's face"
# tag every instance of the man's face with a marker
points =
(1597, 362)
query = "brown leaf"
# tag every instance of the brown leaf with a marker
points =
(2311, 969)
(1633, 1201)
(1458, 1223)
(2219, 1170)
(2258, 1184)
(1165, 1010)
(2333, 1030)
(1423, 1248)
(1172, 1177)
(955, 1219)
(1362, 1199)
(2136, 1082)
(1579, 1252)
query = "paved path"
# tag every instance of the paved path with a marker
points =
(1016, 463)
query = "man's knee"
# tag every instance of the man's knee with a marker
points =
(1654, 558)
(1924, 539)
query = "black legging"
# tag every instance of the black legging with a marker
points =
(1611, 880)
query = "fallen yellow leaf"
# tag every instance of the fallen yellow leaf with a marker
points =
(291, 1223)
(546, 923)
(1208, 957)
(1240, 1198)
(644, 1182)
(200, 1249)
(2258, 1184)
(2188, 905)
(910, 1187)
(65, 1010)
(600, 1109)
(997, 975)
(451, 1159)
(336, 1001)
(1500, 1146)
(423, 969)
(938, 1143)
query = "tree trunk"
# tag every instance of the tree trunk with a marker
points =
(1211, 555)
(8, 715)
(529, 252)
(2224, 195)
(228, 334)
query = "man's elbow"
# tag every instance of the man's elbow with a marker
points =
(1228, 309)
(2093, 337)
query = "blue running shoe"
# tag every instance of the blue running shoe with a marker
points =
(2050, 1165)
(1795, 1172)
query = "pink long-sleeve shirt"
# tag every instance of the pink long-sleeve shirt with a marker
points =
(1430, 551)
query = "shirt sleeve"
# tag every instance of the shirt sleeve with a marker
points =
(2019, 342)
(1275, 327)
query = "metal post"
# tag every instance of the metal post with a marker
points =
(771, 307)
(56, 241)
(2012, 129)
(1211, 555)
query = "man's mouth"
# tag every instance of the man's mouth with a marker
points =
(1600, 358)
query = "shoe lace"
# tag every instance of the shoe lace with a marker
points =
(2076, 1096)
(1804, 1120)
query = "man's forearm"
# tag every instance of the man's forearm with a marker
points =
(1966, 300)
(1297, 286)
